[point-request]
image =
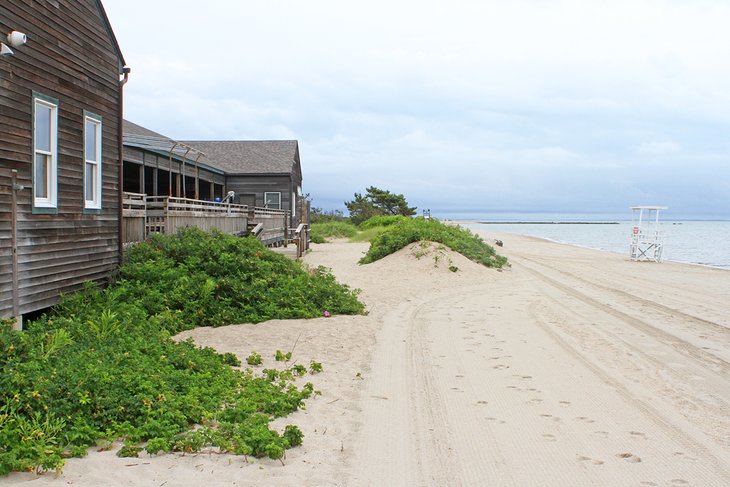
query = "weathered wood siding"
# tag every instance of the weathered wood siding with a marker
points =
(69, 56)
(261, 184)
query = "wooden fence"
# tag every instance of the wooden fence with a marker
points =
(167, 214)
(271, 225)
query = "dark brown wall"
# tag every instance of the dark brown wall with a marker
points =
(260, 184)
(137, 157)
(71, 57)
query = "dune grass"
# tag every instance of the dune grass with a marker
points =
(409, 230)
(332, 229)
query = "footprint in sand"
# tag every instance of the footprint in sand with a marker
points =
(557, 419)
(564, 403)
(678, 482)
(585, 419)
(647, 483)
(637, 434)
(589, 459)
(629, 457)
(601, 434)
(482, 402)
(491, 418)
(535, 400)
(500, 366)
(548, 437)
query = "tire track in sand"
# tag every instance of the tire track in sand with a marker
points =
(411, 435)
(715, 363)
(648, 411)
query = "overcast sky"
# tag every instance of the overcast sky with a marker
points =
(466, 107)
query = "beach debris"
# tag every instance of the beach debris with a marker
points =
(499, 243)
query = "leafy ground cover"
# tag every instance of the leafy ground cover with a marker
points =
(409, 230)
(103, 365)
(203, 279)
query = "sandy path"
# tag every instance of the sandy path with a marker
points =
(572, 368)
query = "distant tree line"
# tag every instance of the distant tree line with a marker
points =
(375, 202)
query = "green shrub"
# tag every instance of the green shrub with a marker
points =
(332, 229)
(382, 221)
(103, 366)
(139, 385)
(410, 230)
(212, 279)
(254, 359)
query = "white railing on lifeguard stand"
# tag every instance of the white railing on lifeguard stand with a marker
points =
(647, 237)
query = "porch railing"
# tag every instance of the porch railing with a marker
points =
(273, 225)
(144, 215)
(134, 210)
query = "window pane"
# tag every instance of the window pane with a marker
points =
(41, 176)
(272, 200)
(42, 127)
(90, 182)
(91, 128)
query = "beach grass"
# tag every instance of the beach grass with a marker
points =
(409, 230)
(332, 229)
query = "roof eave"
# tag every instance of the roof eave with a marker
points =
(110, 31)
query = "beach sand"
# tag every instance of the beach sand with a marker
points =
(573, 367)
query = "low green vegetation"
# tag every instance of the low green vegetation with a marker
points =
(382, 221)
(103, 366)
(211, 279)
(332, 229)
(409, 230)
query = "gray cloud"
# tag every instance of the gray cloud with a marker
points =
(464, 107)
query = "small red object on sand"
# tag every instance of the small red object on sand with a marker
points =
(326, 314)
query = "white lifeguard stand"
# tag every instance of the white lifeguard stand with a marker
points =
(647, 238)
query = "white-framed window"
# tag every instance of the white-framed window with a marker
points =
(45, 152)
(272, 201)
(92, 161)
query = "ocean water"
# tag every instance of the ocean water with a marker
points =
(694, 242)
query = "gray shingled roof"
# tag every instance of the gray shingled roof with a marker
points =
(231, 156)
(142, 138)
(250, 156)
(134, 129)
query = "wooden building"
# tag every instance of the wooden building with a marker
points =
(60, 164)
(159, 166)
(266, 173)
(239, 187)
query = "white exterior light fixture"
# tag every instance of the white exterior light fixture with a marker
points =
(15, 39)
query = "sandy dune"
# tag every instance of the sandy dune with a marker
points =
(571, 368)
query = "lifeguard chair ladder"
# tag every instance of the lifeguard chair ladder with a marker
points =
(647, 238)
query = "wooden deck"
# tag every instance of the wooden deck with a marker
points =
(145, 215)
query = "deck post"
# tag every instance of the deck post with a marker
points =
(286, 228)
